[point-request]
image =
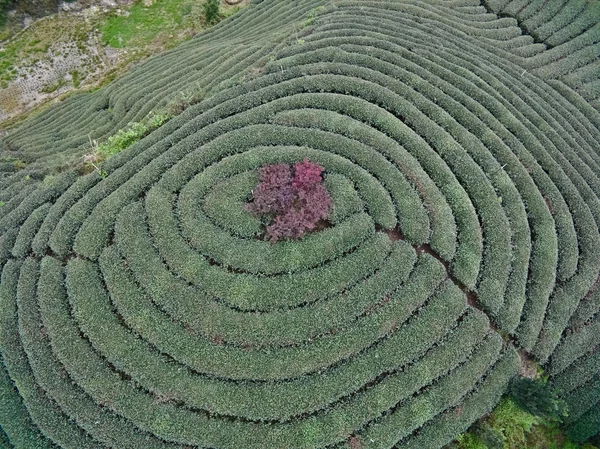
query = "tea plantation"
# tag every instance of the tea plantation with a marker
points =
(460, 142)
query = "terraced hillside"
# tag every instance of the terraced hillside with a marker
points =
(460, 143)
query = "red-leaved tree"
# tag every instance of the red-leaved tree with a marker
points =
(295, 199)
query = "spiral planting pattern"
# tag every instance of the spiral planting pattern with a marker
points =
(139, 311)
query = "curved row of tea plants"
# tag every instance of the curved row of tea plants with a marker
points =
(569, 31)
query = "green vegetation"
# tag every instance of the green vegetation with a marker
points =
(3, 6)
(35, 9)
(211, 11)
(511, 427)
(124, 138)
(19, 164)
(161, 22)
(76, 77)
(143, 23)
(539, 398)
(140, 308)
(54, 86)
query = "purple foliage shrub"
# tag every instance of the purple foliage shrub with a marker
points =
(274, 193)
(295, 200)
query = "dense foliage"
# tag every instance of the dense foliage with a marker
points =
(211, 11)
(138, 311)
(511, 427)
(274, 194)
(294, 200)
(538, 398)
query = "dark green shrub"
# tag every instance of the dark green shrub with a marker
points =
(487, 435)
(211, 11)
(538, 398)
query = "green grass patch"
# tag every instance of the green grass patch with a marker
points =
(144, 23)
(76, 76)
(122, 139)
(129, 135)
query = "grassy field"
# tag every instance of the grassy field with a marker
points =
(141, 306)
(160, 22)
(143, 23)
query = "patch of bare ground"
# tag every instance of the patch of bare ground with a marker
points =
(55, 55)
(529, 368)
(354, 442)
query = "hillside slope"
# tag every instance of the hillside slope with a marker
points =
(138, 312)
